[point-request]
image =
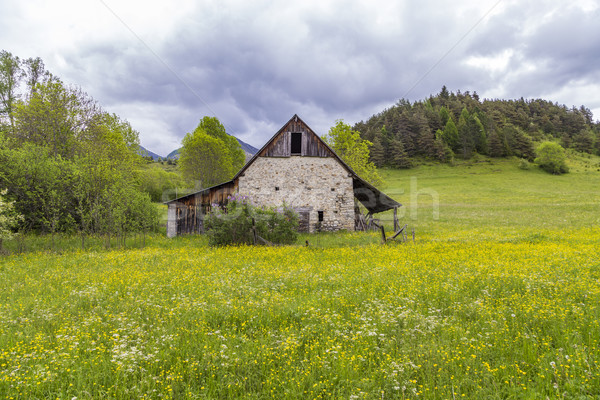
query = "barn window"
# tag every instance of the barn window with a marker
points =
(320, 216)
(296, 147)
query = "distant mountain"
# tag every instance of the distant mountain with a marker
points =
(249, 150)
(145, 153)
(174, 155)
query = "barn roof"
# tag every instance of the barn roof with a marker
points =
(374, 200)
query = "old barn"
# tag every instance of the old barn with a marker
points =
(296, 167)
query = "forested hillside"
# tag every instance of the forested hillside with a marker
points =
(450, 125)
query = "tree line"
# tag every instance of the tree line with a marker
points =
(65, 163)
(450, 125)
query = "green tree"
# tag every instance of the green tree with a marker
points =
(444, 115)
(35, 73)
(450, 134)
(215, 128)
(466, 142)
(443, 152)
(399, 157)
(584, 141)
(205, 160)
(519, 144)
(496, 147)
(11, 74)
(68, 164)
(444, 93)
(479, 137)
(209, 155)
(378, 152)
(56, 116)
(9, 218)
(551, 158)
(351, 148)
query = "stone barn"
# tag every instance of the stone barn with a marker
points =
(296, 167)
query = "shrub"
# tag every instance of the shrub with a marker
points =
(233, 224)
(524, 164)
(551, 158)
(9, 218)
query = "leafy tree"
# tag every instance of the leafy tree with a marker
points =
(9, 218)
(67, 164)
(205, 159)
(56, 116)
(157, 182)
(353, 150)
(209, 155)
(10, 76)
(215, 128)
(551, 158)
(35, 72)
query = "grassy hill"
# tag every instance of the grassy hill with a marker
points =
(494, 195)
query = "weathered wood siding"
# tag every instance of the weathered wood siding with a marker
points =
(281, 145)
(190, 210)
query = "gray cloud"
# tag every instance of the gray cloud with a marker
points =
(255, 64)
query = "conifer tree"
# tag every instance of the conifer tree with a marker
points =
(496, 147)
(450, 134)
(378, 152)
(400, 158)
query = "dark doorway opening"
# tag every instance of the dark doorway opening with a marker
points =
(296, 143)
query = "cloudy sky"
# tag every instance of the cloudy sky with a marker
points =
(253, 64)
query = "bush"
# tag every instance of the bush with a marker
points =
(524, 164)
(551, 158)
(233, 224)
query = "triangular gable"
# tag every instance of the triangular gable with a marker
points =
(279, 145)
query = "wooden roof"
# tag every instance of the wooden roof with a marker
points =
(373, 199)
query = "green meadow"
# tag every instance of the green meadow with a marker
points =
(498, 297)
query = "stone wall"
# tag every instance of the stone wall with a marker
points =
(309, 184)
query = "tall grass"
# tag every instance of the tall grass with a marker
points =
(436, 320)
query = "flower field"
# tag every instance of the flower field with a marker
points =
(490, 317)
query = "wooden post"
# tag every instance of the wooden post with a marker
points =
(382, 234)
(254, 236)
(398, 232)
(396, 219)
(413, 233)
